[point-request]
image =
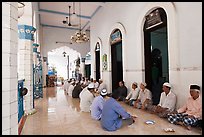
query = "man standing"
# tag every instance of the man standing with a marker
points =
(86, 98)
(114, 116)
(97, 105)
(189, 114)
(166, 104)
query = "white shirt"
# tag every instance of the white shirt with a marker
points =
(65, 85)
(101, 86)
(96, 85)
(168, 101)
(133, 94)
(146, 94)
(86, 99)
(70, 90)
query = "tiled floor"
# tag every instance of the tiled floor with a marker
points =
(60, 114)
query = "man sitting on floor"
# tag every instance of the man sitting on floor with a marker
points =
(145, 97)
(191, 112)
(133, 95)
(97, 105)
(121, 92)
(114, 115)
(86, 98)
(166, 104)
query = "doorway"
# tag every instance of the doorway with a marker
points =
(156, 54)
(97, 59)
(116, 58)
(88, 71)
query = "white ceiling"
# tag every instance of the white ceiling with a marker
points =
(53, 13)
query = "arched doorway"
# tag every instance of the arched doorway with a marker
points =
(116, 58)
(97, 61)
(156, 52)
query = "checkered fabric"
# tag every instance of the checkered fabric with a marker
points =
(181, 117)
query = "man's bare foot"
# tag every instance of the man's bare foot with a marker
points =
(180, 123)
(188, 127)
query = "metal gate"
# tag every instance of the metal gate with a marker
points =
(20, 100)
(37, 80)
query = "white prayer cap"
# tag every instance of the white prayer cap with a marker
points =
(195, 87)
(143, 83)
(167, 84)
(104, 92)
(135, 83)
(91, 85)
(72, 82)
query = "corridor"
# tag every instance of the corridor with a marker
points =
(48, 44)
(59, 114)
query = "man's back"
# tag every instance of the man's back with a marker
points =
(96, 107)
(86, 98)
(76, 91)
(110, 119)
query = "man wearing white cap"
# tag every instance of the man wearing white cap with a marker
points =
(167, 102)
(133, 95)
(71, 88)
(191, 112)
(145, 97)
(86, 98)
(102, 85)
(97, 105)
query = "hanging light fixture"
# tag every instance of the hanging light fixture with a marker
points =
(79, 36)
(64, 53)
(74, 15)
(21, 6)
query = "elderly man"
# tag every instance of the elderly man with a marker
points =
(86, 98)
(97, 105)
(189, 114)
(145, 97)
(133, 95)
(166, 104)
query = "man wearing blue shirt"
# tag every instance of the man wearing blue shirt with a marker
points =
(97, 105)
(114, 115)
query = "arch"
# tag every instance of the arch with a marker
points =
(172, 33)
(123, 32)
(97, 61)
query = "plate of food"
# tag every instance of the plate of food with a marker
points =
(169, 130)
(150, 122)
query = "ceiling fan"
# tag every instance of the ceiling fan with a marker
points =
(63, 42)
(68, 20)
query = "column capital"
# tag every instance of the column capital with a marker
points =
(35, 45)
(26, 32)
(83, 59)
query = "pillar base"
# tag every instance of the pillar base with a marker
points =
(30, 112)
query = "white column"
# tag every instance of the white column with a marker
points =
(82, 67)
(25, 63)
(9, 68)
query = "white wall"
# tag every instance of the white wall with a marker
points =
(184, 41)
(52, 34)
(60, 62)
